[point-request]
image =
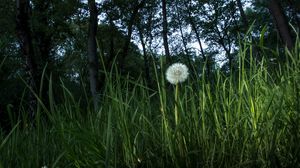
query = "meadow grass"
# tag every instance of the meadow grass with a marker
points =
(250, 118)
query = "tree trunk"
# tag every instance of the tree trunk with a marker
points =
(111, 56)
(221, 41)
(183, 39)
(243, 15)
(25, 41)
(165, 31)
(42, 39)
(206, 61)
(194, 28)
(92, 51)
(185, 47)
(129, 33)
(41, 35)
(281, 23)
(146, 59)
(201, 48)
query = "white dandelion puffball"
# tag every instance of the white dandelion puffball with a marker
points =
(177, 73)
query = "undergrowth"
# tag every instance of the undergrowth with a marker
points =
(250, 118)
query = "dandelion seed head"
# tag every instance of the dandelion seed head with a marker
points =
(177, 73)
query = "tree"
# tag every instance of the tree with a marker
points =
(92, 51)
(191, 21)
(242, 13)
(144, 27)
(281, 23)
(145, 55)
(126, 12)
(165, 30)
(26, 46)
(130, 24)
(219, 19)
(179, 20)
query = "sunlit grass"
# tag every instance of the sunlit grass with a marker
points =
(247, 119)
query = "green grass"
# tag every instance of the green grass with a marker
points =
(247, 119)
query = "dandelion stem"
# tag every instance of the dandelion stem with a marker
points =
(176, 104)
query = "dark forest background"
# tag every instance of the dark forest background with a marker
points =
(78, 41)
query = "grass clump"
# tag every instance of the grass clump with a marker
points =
(248, 119)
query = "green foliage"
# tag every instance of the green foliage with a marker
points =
(248, 120)
(242, 117)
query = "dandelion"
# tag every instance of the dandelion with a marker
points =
(177, 73)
